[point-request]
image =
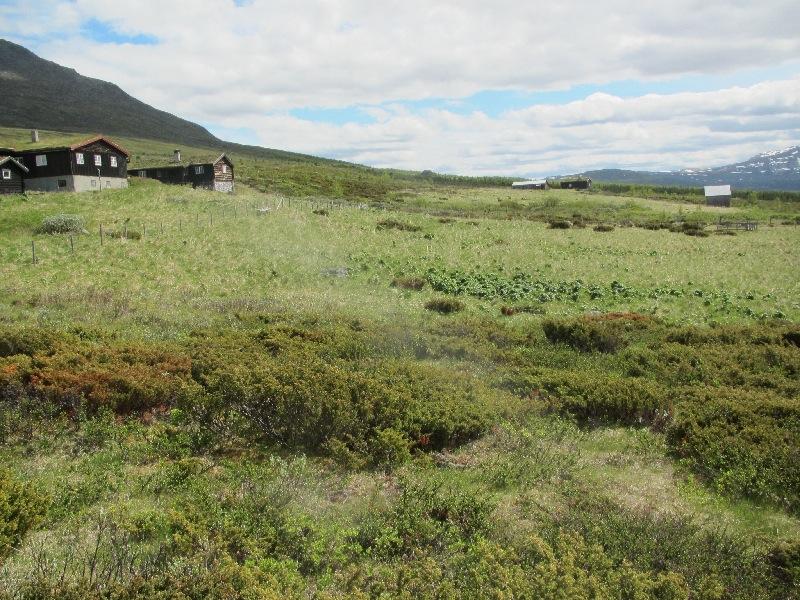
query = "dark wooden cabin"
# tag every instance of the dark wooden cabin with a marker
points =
(531, 184)
(212, 174)
(12, 175)
(87, 165)
(578, 183)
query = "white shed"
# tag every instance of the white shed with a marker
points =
(718, 195)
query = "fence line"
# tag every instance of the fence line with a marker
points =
(252, 210)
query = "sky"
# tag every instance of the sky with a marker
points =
(455, 86)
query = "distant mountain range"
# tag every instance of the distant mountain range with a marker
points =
(779, 170)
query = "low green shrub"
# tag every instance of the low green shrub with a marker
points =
(744, 442)
(586, 335)
(385, 224)
(125, 234)
(652, 225)
(509, 311)
(425, 515)
(310, 403)
(713, 563)
(607, 399)
(603, 227)
(444, 306)
(784, 558)
(30, 340)
(560, 224)
(390, 448)
(264, 579)
(21, 509)
(62, 224)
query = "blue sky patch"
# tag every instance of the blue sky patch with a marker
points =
(104, 33)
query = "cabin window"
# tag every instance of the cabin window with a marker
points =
(113, 161)
(94, 182)
(62, 183)
(6, 173)
(142, 174)
(79, 158)
(41, 160)
(98, 160)
(224, 168)
(198, 170)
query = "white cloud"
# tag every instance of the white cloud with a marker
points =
(247, 66)
(280, 54)
(648, 132)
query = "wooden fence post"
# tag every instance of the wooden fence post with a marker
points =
(33, 251)
(72, 244)
(101, 234)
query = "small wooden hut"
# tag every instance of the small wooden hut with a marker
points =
(718, 195)
(12, 175)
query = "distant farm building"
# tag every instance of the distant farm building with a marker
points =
(86, 165)
(12, 175)
(576, 183)
(718, 195)
(211, 174)
(533, 184)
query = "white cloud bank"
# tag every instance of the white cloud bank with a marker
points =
(247, 66)
(648, 132)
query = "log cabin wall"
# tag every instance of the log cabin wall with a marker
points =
(58, 163)
(223, 175)
(107, 157)
(203, 179)
(15, 184)
(174, 174)
(62, 162)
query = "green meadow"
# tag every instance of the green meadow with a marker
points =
(348, 383)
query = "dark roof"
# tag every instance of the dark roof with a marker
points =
(6, 159)
(76, 145)
(172, 165)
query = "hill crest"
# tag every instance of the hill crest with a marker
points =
(31, 83)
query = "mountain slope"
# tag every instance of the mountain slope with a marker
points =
(778, 170)
(41, 94)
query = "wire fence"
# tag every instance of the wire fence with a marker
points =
(130, 230)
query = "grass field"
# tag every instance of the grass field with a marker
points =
(434, 391)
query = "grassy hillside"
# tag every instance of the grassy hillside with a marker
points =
(438, 395)
(41, 94)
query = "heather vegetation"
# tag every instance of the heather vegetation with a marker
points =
(432, 395)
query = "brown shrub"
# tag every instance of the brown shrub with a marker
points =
(444, 305)
(409, 283)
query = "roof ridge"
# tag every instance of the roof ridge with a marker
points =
(98, 138)
(5, 159)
